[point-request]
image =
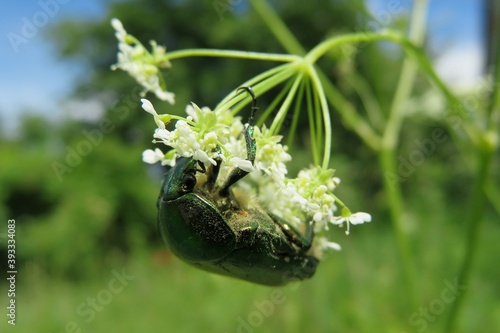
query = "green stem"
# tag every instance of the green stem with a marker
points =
(389, 144)
(351, 118)
(316, 82)
(474, 227)
(280, 116)
(493, 194)
(317, 118)
(231, 54)
(393, 190)
(456, 111)
(322, 48)
(367, 97)
(296, 112)
(494, 104)
(268, 79)
(290, 43)
(483, 189)
(311, 105)
(277, 27)
(274, 104)
(407, 77)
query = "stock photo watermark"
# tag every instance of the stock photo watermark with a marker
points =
(265, 308)
(382, 17)
(93, 138)
(424, 149)
(453, 117)
(428, 314)
(11, 271)
(30, 25)
(88, 309)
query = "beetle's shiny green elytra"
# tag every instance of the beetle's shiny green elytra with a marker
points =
(220, 230)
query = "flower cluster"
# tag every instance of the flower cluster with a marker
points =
(201, 135)
(142, 65)
(217, 137)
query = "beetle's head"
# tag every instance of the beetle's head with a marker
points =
(179, 180)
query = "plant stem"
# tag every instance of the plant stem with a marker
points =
(311, 105)
(274, 104)
(483, 189)
(472, 236)
(322, 48)
(407, 77)
(387, 156)
(387, 162)
(278, 27)
(368, 98)
(278, 74)
(280, 116)
(231, 54)
(350, 116)
(316, 82)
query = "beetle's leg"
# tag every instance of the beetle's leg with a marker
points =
(202, 168)
(213, 174)
(238, 173)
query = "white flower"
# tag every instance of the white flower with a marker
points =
(271, 156)
(201, 135)
(200, 155)
(348, 218)
(148, 107)
(152, 156)
(323, 243)
(120, 31)
(241, 163)
(142, 65)
(164, 95)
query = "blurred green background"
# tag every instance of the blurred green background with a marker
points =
(89, 257)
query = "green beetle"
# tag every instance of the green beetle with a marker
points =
(221, 230)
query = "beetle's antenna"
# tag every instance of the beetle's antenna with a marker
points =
(254, 103)
(238, 173)
(249, 125)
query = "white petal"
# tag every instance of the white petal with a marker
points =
(338, 220)
(165, 95)
(317, 217)
(202, 156)
(117, 24)
(152, 156)
(148, 107)
(243, 164)
(359, 218)
(332, 245)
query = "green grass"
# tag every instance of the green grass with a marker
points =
(356, 290)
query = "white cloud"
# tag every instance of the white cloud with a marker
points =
(90, 110)
(462, 65)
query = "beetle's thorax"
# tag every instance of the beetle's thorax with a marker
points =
(180, 180)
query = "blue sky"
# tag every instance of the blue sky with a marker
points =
(32, 78)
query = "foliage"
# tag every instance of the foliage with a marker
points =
(80, 225)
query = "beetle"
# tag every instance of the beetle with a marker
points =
(221, 230)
